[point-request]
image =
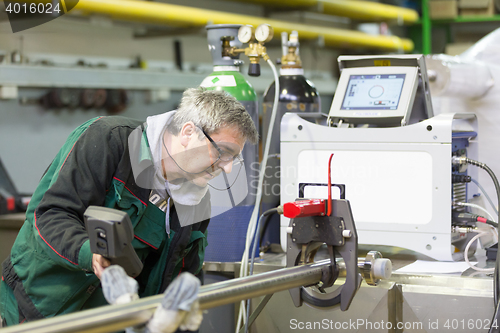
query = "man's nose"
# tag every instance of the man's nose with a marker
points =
(226, 166)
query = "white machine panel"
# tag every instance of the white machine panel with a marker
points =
(386, 171)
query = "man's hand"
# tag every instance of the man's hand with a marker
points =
(179, 307)
(99, 263)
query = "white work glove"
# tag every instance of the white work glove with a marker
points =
(179, 307)
(193, 318)
(168, 321)
(117, 286)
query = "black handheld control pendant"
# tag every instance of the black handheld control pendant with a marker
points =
(110, 235)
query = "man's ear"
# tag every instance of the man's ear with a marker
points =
(187, 132)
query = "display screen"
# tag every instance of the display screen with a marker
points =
(373, 92)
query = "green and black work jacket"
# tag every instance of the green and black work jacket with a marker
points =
(50, 266)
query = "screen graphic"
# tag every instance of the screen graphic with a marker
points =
(373, 92)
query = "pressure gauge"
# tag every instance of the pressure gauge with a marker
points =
(246, 33)
(264, 33)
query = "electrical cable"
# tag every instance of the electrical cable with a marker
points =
(496, 282)
(491, 223)
(252, 253)
(268, 217)
(461, 217)
(495, 233)
(264, 229)
(329, 209)
(485, 194)
(494, 328)
(497, 188)
(255, 214)
(466, 254)
(484, 210)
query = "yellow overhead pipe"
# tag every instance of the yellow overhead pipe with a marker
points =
(168, 14)
(181, 16)
(369, 11)
(358, 10)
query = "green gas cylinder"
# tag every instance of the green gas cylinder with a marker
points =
(227, 231)
(229, 79)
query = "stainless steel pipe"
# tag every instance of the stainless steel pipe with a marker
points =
(113, 318)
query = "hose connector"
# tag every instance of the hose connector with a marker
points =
(459, 162)
(463, 230)
(476, 163)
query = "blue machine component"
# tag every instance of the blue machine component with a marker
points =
(227, 235)
(460, 145)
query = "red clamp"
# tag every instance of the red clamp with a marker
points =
(312, 207)
(302, 208)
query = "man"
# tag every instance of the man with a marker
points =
(157, 172)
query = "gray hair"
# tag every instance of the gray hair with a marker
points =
(213, 110)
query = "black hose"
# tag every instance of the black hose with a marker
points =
(497, 262)
(264, 227)
(492, 223)
(494, 328)
(270, 211)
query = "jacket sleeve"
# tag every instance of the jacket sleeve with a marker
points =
(77, 178)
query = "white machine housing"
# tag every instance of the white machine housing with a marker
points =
(398, 180)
